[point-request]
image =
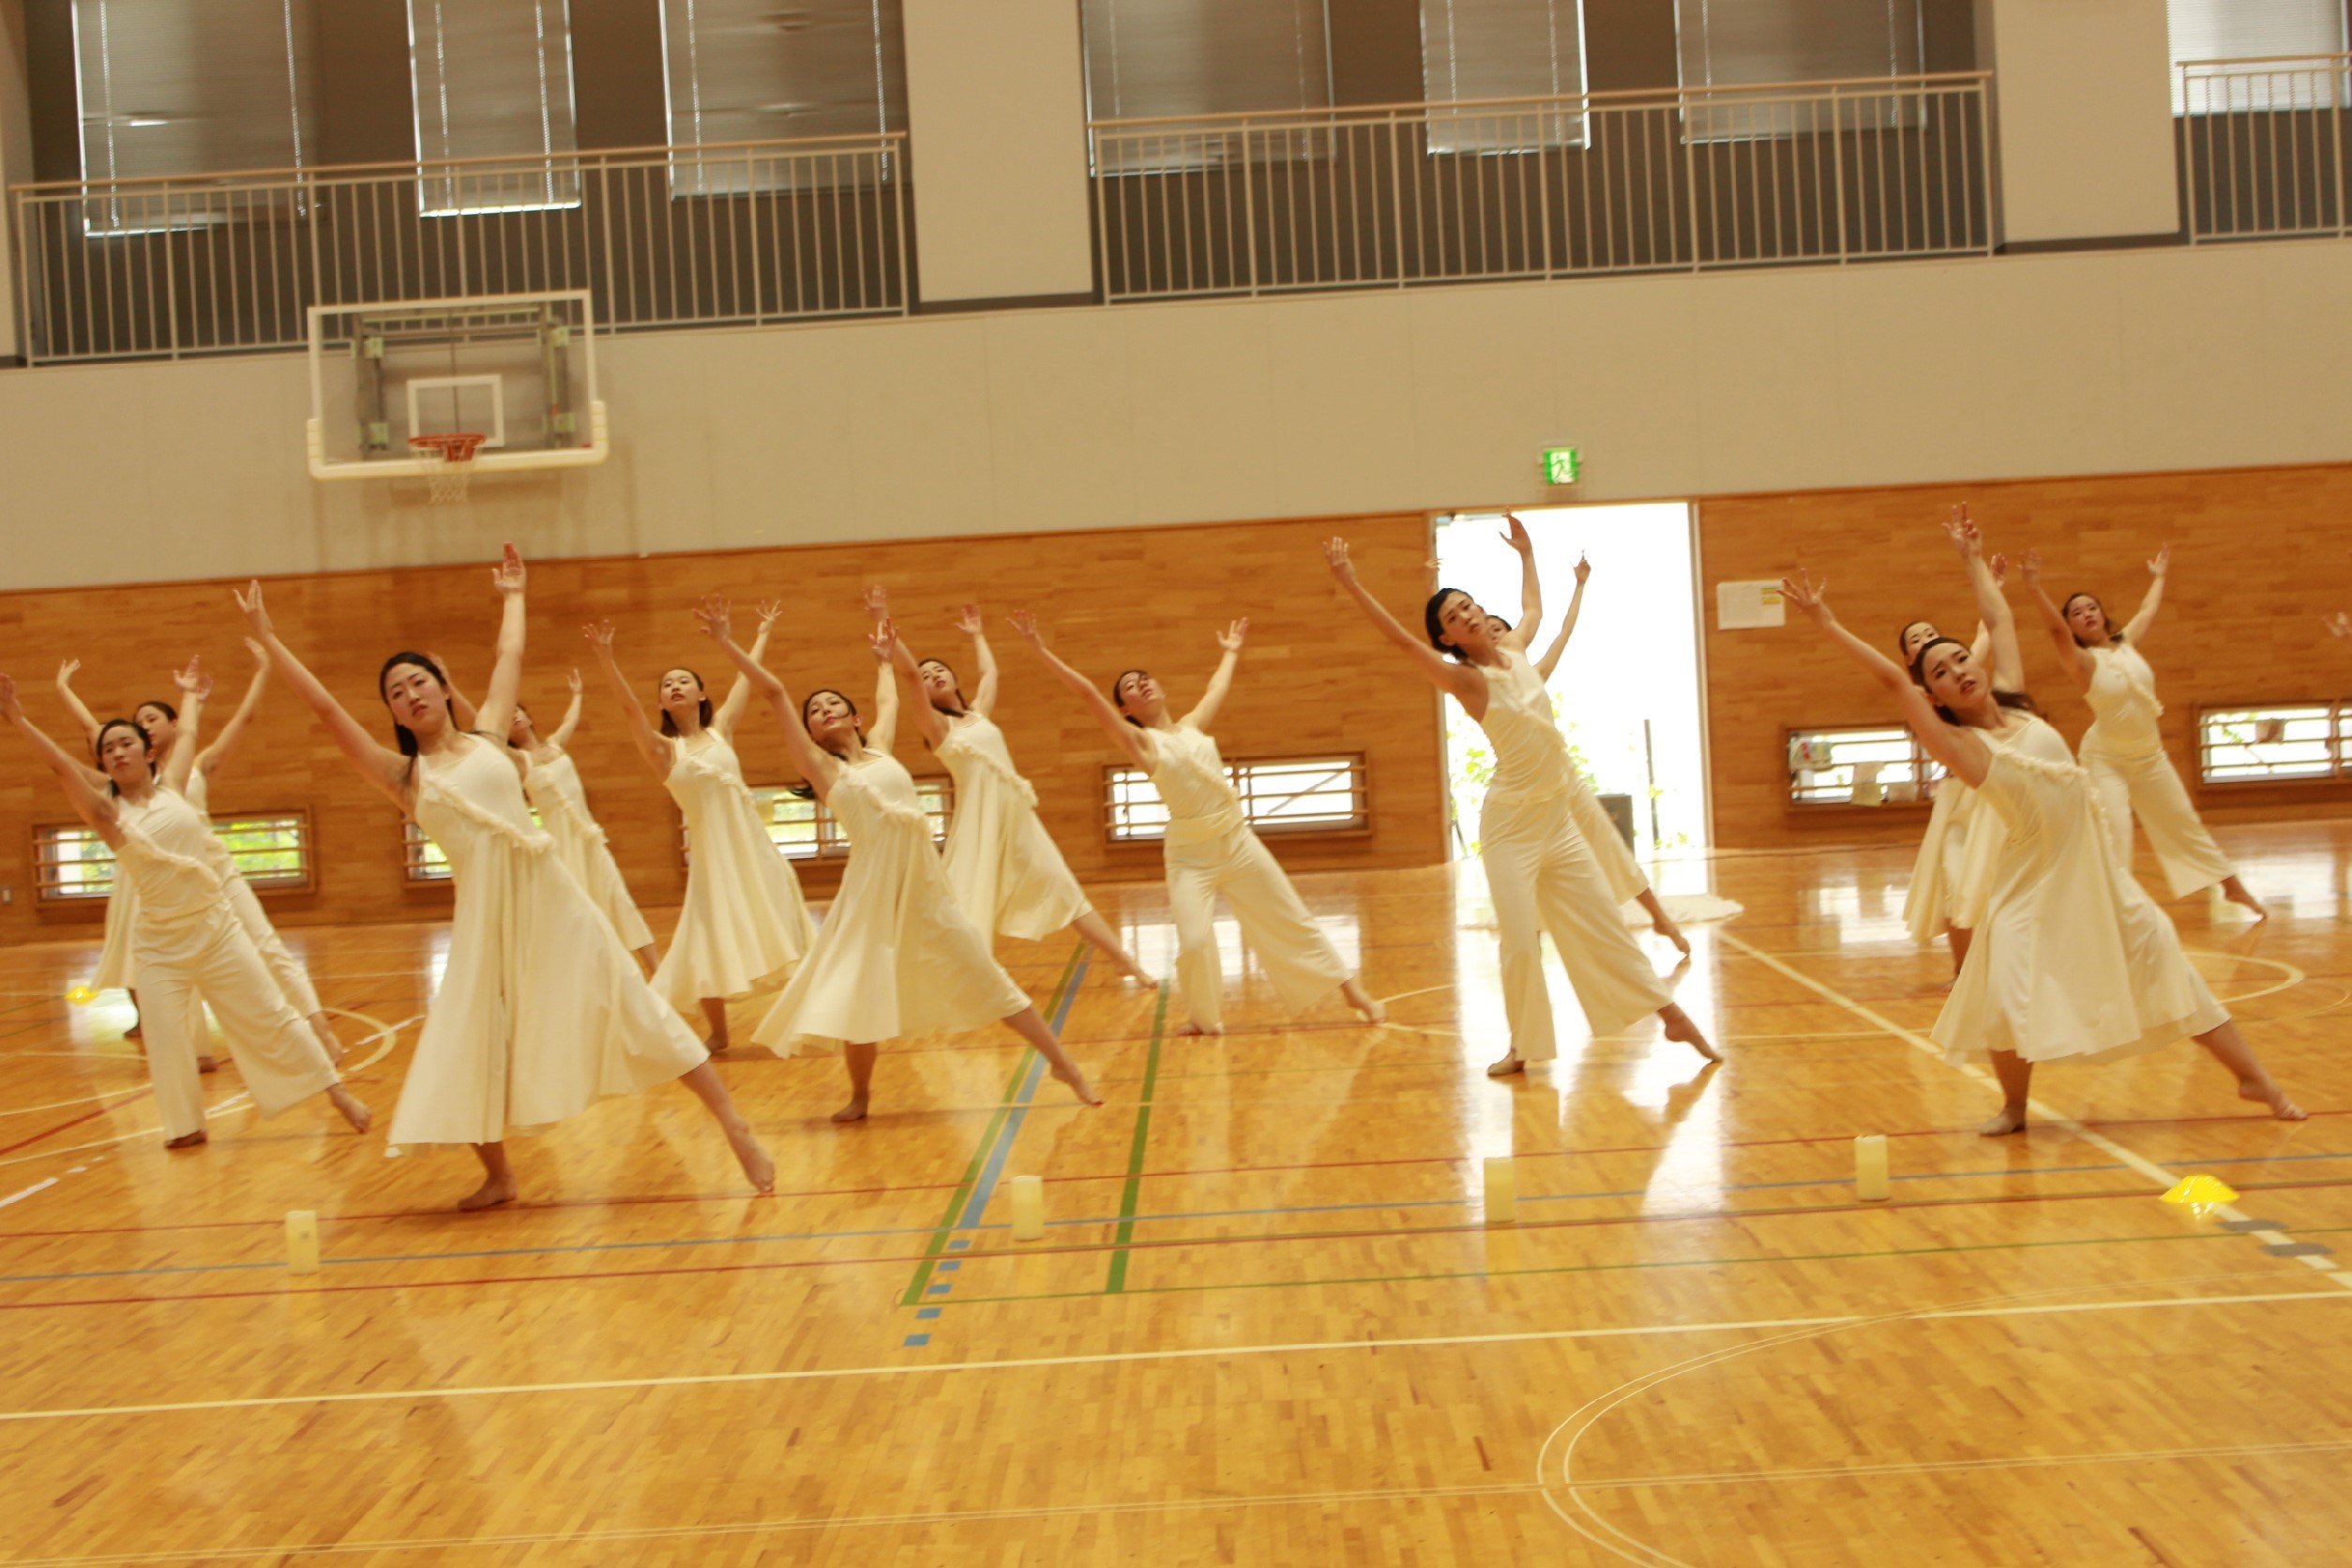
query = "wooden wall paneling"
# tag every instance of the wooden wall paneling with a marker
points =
(1110, 601)
(2258, 555)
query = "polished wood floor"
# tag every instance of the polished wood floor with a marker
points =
(1267, 1323)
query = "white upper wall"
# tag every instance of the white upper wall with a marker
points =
(1675, 385)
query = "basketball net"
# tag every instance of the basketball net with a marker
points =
(447, 480)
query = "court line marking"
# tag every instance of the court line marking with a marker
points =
(1122, 1358)
(1131, 1192)
(1949, 1467)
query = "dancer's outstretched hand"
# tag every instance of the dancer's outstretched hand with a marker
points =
(1232, 636)
(878, 602)
(193, 680)
(1810, 598)
(968, 621)
(1025, 623)
(1999, 565)
(1584, 570)
(1961, 530)
(2031, 567)
(256, 613)
(770, 612)
(883, 640)
(598, 635)
(2340, 624)
(716, 618)
(572, 681)
(1515, 536)
(10, 709)
(66, 669)
(2162, 563)
(509, 574)
(1335, 552)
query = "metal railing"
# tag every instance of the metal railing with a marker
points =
(2263, 145)
(734, 234)
(1822, 172)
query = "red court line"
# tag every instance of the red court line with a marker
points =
(1392, 1234)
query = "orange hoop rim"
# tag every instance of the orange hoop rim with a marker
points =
(453, 447)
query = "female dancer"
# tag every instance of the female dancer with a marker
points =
(896, 956)
(1006, 873)
(188, 944)
(1950, 879)
(541, 1011)
(555, 788)
(744, 926)
(1209, 847)
(190, 771)
(160, 723)
(2123, 749)
(2073, 960)
(1540, 869)
(1618, 864)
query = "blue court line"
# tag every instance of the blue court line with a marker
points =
(993, 1170)
(1100, 1219)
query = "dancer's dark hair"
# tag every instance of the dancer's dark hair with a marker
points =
(147, 744)
(1121, 702)
(169, 711)
(1433, 621)
(2017, 700)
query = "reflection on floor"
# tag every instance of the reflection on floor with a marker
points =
(1268, 1322)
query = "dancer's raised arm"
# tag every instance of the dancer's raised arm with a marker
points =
(208, 761)
(195, 686)
(1955, 745)
(90, 802)
(983, 658)
(884, 730)
(1133, 742)
(909, 672)
(1459, 681)
(650, 745)
(496, 716)
(562, 735)
(1999, 625)
(1204, 713)
(1522, 636)
(2077, 659)
(1550, 661)
(2135, 629)
(380, 766)
(72, 699)
(816, 764)
(740, 693)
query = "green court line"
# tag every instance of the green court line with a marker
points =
(1131, 1194)
(937, 1247)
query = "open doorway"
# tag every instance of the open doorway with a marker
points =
(1627, 690)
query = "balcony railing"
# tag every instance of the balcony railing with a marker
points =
(1824, 171)
(744, 233)
(2263, 146)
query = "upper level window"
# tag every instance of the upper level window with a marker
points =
(2248, 30)
(1501, 49)
(187, 88)
(1146, 59)
(749, 70)
(493, 79)
(1283, 795)
(1744, 43)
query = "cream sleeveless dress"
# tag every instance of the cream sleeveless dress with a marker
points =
(293, 979)
(1542, 875)
(117, 969)
(2073, 960)
(1007, 871)
(896, 956)
(1211, 849)
(744, 926)
(555, 788)
(191, 949)
(541, 1011)
(2124, 751)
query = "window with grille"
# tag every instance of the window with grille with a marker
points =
(2244, 30)
(1744, 43)
(1501, 49)
(493, 79)
(1861, 766)
(2279, 743)
(272, 849)
(1146, 59)
(1278, 794)
(188, 87)
(805, 828)
(750, 70)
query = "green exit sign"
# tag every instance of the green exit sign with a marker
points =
(1561, 465)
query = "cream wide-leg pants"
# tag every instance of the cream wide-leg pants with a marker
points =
(2146, 786)
(185, 965)
(1290, 947)
(1543, 877)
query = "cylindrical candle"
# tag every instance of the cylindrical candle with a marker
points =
(1502, 1190)
(1029, 1208)
(1870, 1168)
(302, 1241)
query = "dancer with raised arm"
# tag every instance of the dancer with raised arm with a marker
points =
(1008, 874)
(2123, 748)
(744, 925)
(116, 968)
(1541, 870)
(1949, 878)
(1209, 847)
(187, 940)
(896, 956)
(2073, 960)
(554, 787)
(541, 1011)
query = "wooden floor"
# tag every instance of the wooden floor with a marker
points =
(1268, 1325)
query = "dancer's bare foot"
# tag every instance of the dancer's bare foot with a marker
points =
(189, 1140)
(1665, 927)
(751, 1155)
(1078, 1085)
(2235, 891)
(1191, 1027)
(1507, 1066)
(1367, 1007)
(853, 1111)
(494, 1191)
(2263, 1092)
(1134, 973)
(208, 1063)
(2011, 1119)
(357, 1114)
(1682, 1027)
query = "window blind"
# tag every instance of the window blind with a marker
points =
(191, 86)
(494, 79)
(1146, 58)
(2253, 29)
(1491, 49)
(1738, 43)
(758, 71)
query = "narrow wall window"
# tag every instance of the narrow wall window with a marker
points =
(1279, 794)
(1150, 58)
(2246, 30)
(493, 79)
(1746, 43)
(750, 70)
(1872, 765)
(1501, 49)
(2278, 744)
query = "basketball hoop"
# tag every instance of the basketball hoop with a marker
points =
(449, 476)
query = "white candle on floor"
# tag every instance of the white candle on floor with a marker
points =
(302, 1241)
(1870, 1168)
(1029, 1208)
(1502, 1190)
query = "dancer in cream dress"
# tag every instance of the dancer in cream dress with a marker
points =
(896, 956)
(1541, 870)
(541, 1010)
(2073, 960)
(116, 968)
(189, 946)
(1209, 847)
(2123, 748)
(1008, 874)
(744, 925)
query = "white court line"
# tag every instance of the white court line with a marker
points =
(1122, 1358)
(1950, 1467)
(19, 1196)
